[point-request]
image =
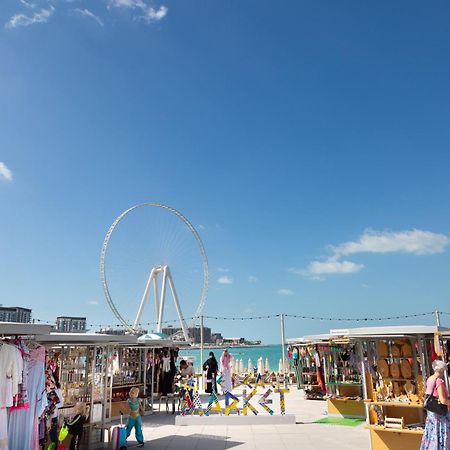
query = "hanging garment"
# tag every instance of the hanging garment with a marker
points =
(10, 376)
(23, 426)
(3, 429)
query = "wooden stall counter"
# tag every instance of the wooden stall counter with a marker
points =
(392, 439)
(346, 408)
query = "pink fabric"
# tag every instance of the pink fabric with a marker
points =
(38, 354)
(430, 383)
(225, 361)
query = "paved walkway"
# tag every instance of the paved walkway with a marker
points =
(161, 432)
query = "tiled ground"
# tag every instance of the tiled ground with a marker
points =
(161, 432)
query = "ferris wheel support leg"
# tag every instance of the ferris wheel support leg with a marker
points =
(144, 299)
(177, 305)
(160, 313)
(156, 292)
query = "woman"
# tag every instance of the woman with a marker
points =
(437, 428)
(211, 368)
(225, 369)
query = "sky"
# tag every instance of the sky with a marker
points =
(307, 142)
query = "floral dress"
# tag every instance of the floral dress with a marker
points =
(437, 428)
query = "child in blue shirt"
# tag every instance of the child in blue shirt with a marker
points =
(135, 419)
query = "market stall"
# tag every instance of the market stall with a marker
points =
(79, 362)
(395, 362)
(308, 369)
(22, 381)
(134, 365)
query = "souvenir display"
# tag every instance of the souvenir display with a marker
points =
(343, 380)
(310, 373)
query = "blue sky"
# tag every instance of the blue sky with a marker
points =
(307, 141)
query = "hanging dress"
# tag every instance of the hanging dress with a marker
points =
(23, 426)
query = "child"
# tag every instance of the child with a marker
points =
(134, 419)
(76, 425)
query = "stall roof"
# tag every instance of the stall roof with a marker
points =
(389, 331)
(99, 339)
(23, 329)
(86, 339)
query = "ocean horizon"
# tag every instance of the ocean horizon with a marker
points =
(271, 351)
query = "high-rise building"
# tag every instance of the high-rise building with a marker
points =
(67, 324)
(15, 314)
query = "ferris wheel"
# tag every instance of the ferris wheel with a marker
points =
(146, 249)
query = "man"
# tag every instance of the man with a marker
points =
(187, 373)
(186, 370)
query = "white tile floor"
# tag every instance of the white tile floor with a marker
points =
(161, 432)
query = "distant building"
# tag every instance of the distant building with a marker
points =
(194, 333)
(15, 314)
(118, 331)
(216, 338)
(233, 341)
(67, 324)
(115, 331)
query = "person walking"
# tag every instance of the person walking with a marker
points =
(437, 428)
(211, 368)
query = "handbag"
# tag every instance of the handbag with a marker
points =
(432, 404)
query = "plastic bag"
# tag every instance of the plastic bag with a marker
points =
(63, 432)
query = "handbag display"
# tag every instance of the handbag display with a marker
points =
(432, 404)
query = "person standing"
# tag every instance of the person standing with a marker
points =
(76, 425)
(134, 419)
(225, 369)
(437, 428)
(211, 368)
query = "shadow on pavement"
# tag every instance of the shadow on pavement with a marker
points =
(193, 441)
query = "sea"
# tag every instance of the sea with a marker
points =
(272, 352)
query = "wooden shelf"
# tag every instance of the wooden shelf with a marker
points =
(393, 430)
(119, 386)
(343, 383)
(398, 379)
(398, 404)
(343, 400)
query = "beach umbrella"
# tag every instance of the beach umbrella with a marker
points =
(260, 365)
(241, 366)
(267, 365)
(235, 365)
(280, 366)
(250, 365)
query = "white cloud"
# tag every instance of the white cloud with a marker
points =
(27, 3)
(148, 13)
(328, 267)
(153, 15)
(225, 280)
(24, 21)
(222, 269)
(252, 279)
(86, 13)
(285, 291)
(92, 302)
(414, 241)
(5, 172)
(201, 226)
